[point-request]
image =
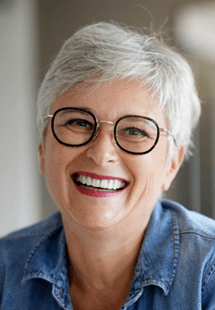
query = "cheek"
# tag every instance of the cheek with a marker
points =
(54, 176)
(59, 160)
(58, 156)
(55, 169)
(147, 171)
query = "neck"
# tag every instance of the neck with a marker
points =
(102, 257)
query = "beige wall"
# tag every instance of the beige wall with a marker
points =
(20, 198)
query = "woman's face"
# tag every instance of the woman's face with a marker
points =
(145, 175)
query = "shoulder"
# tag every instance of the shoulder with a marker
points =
(196, 257)
(15, 247)
(190, 222)
(28, 253)
(43, 227)
(20, 240)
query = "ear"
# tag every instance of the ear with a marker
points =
(41, 153)
(172, 167)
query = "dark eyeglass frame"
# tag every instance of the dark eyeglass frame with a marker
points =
(96, 129)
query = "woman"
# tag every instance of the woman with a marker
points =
(116, 112)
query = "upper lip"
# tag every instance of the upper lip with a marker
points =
(99, 176)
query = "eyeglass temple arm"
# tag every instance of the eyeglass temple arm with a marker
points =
(48, 116)
(169, 133)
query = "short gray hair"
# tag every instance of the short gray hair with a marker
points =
(111, 52)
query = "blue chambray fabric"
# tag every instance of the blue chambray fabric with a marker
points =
(175, 268)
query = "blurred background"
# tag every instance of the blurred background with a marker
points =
(31, 34)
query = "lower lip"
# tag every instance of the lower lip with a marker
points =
(97, 194)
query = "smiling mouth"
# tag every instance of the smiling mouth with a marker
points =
(86, 182)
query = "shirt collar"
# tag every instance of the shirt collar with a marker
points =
(48, 260)
(157, 261)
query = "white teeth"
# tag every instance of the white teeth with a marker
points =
(83, 179)
(108, 184)
(89, 181)
(95, 182)
(103, 183)
(115, 184)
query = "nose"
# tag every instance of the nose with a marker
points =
(103, 149)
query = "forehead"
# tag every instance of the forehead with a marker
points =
(111, 100)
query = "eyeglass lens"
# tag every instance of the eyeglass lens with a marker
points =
(134, 134)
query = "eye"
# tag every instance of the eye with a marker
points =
(79, 123)
(133, 132)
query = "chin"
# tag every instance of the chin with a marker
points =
(95, 221)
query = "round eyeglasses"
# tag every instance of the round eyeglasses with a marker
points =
(133, 134)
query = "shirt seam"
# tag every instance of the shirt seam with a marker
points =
(173, 262)
(175, 259)
(196, 233)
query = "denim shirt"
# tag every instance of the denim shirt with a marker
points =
(175, 267)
